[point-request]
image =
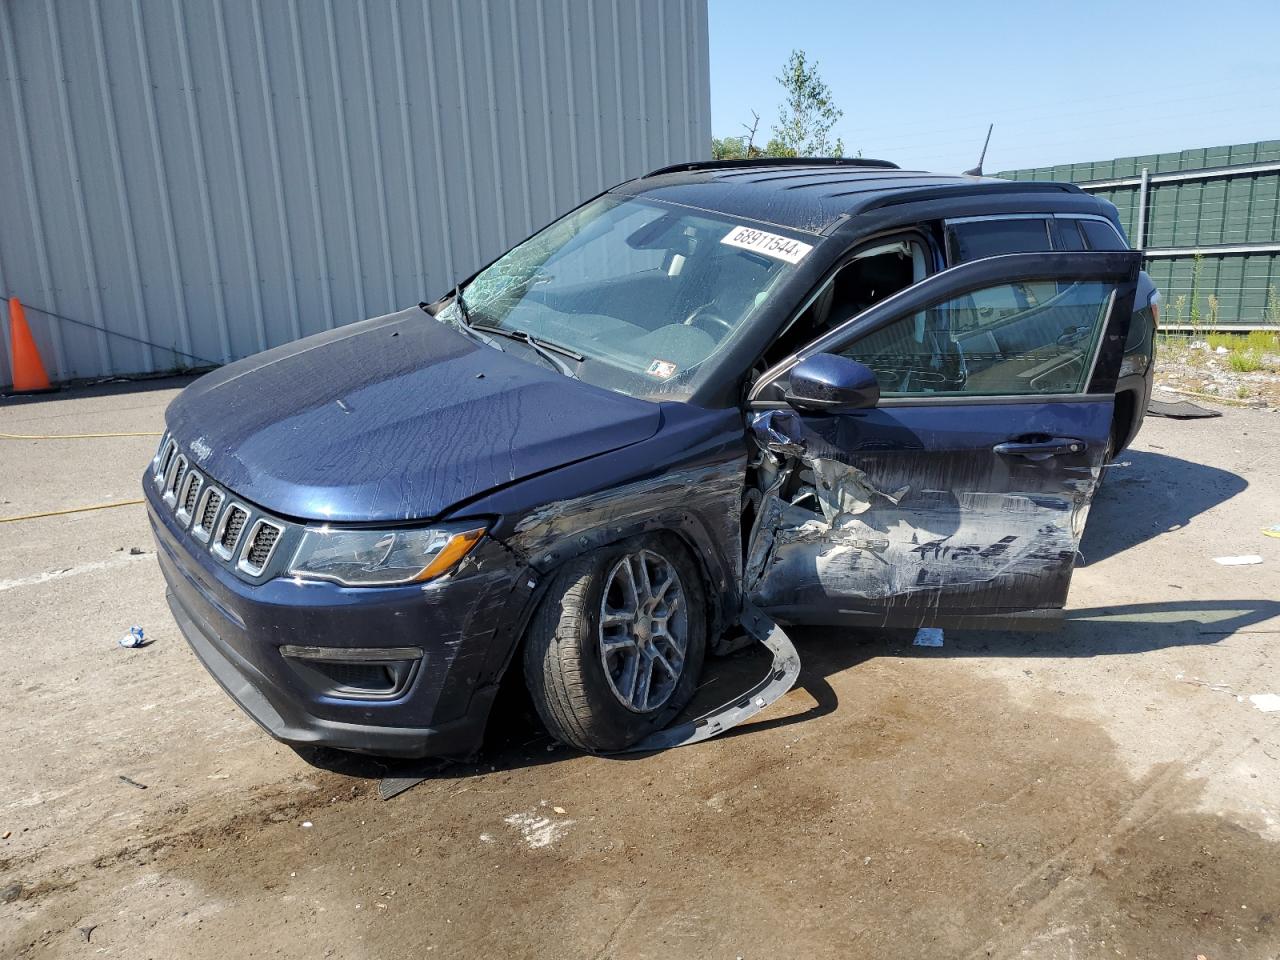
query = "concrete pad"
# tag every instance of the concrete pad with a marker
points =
(1109, 790)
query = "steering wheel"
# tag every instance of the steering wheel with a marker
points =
(705, 317)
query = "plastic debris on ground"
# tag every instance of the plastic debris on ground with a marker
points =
(1272, 531)
(1266, 702)
(1180, 410)
(928, 637)
(133, 638)
(1238, 561)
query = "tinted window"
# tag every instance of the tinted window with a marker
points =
(991, 238)
(1010, 339)
(1102, 236)
(1068, 235)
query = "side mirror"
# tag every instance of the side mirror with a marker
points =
(827, 383)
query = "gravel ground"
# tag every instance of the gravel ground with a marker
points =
(1110, 790)
(1192, 366)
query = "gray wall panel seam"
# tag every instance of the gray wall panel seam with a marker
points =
(662, 66)
(684, 66)
(122, 192)
(308, 144)
(344, 161)
(574, 166)
(702, 115)
(619, 117)
(433, 87)
(640, 84)
(162, 185)
(202, 182)
(72, 158)
(521, 102)
(596, 119)
(541, 8)
(495, 148)
(30, 191)
(464, 126)
(375, 141)
(406, 137)
(242, 189)
(277, 177)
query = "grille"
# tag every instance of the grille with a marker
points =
(190, 496)
(203, 527)
(233, 522)
(164, 457)
(193, 491)
(237, 534)
(366, 677)
(174, 481)
(258, 551)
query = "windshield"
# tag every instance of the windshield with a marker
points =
(644, 292)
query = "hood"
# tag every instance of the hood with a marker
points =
(395, 418)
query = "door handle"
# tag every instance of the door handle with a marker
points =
(1040, 449)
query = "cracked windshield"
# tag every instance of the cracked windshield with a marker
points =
(631, 295)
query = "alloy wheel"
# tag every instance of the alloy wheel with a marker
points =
(644, 630)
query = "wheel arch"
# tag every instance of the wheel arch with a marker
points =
(1124, 420)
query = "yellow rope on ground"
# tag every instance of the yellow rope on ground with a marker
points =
(59, 513)
(1230, 401)
(72, 436)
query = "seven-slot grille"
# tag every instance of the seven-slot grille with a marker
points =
(212, 517)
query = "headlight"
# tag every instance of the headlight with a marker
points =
(364, 558)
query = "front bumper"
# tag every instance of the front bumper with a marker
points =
(237, 630)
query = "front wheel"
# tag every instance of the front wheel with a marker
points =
(616, 647)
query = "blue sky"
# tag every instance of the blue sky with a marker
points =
(1063, 82)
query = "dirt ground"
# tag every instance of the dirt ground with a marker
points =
(1110, 790)
(1202, 367)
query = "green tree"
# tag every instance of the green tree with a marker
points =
(806, 117)
(738, 148)
(807, 114)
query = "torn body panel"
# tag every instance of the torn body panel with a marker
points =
(907, 516)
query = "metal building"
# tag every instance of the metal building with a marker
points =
(1208, 222)
(214, 177)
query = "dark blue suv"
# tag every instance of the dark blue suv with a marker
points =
(724, 394)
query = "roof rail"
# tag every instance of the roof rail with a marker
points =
(693, 165)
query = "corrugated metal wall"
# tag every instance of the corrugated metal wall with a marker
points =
(220, 176)
(1242, 209)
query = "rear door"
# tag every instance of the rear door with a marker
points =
(961, 497)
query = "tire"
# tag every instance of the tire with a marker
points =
(580, 692)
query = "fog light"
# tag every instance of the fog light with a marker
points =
(357, 673)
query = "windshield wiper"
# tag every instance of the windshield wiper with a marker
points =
(547, 349)
(465, 322)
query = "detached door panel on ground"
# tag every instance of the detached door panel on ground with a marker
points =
(961, 498)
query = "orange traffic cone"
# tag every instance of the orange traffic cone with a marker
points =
(28, 371)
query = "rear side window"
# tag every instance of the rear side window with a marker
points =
(1102, 236)
(975, 239)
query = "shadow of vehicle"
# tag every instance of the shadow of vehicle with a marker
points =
(104, 387)
(1148, 494)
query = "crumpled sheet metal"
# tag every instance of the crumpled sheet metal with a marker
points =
(833, 539)
(711, 492)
